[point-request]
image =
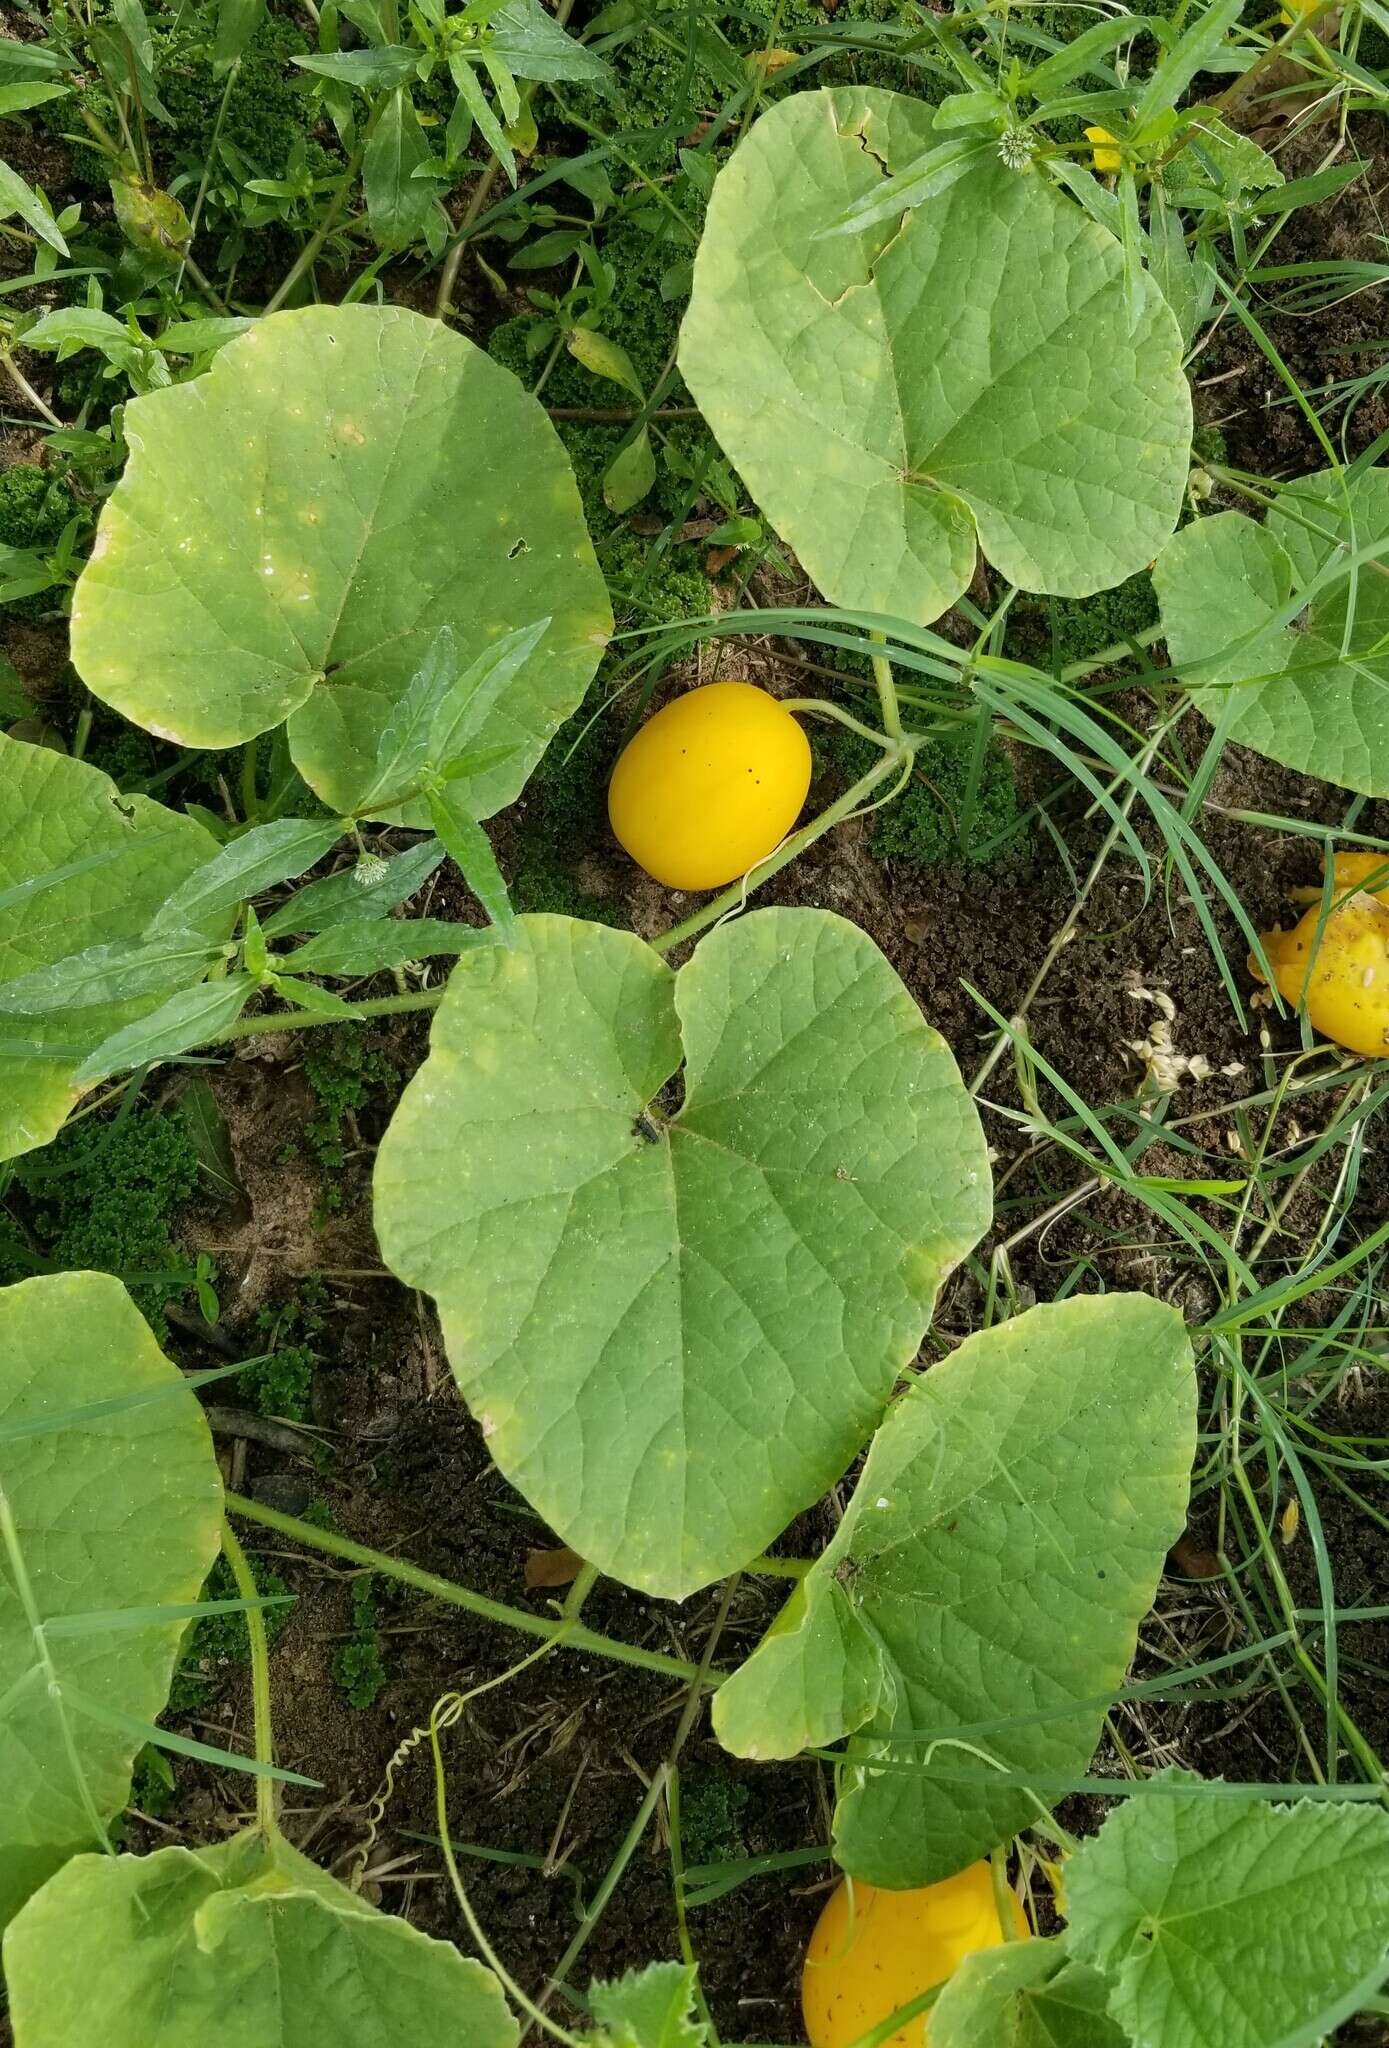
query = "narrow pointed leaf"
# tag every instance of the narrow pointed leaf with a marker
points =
(366, 890)
(306, 995)
(259, 859)
(470, 848)
(386, 942)
(103, 975)
(186, 1020)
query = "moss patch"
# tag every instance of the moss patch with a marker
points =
(923, 826)
(1055, 631)
(103, 1198)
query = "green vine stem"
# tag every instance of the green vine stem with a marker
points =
(780, 1567)
(514, 1991)
(598, 1905)
(266, 1793)
(894, 759)
(305, 1020)
(897, 755)
(887, 689)
(565, 1633)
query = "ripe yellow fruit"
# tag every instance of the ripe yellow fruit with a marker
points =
(710, 785)
(899, 1945)
(1368, 871)
(1344, 980)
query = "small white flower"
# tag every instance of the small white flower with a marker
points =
(369, 870)
(1016, 146)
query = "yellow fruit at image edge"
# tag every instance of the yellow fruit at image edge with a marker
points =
(709, 786)
(897, 1945)
(1343, 981)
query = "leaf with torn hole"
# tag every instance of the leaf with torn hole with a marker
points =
(964, 374)
(294, 527)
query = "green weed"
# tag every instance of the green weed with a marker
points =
(358, 1670)
(289, 1330)
(344, 1073)
(103, 1198)
(922, 828)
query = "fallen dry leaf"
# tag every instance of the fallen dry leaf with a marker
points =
(553, 1567)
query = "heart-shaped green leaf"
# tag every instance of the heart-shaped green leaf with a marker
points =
(676, 1331)
(245, 1943)
(966, 373)
(100, 1510)
(1219, 1917)
(295, 526)
(81, 866)
(981, 1599)
(1310, 679)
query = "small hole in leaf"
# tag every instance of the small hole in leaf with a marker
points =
(518, 547)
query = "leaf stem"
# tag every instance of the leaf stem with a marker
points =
(780, 1567)
(489, 1955)
(694, 1700)
(304, 1020)
(266, 1791)
(896, 757)
(887, 689)
(25, 388)
(565, 1633)
(308, 255)
(820, 707)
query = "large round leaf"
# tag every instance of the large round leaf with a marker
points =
(101, 1510)
(244, 1943)
(1310, 681)
(982, 1596)
(966, 372)
(80, 866)
(294, 527)
(677, 1333)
